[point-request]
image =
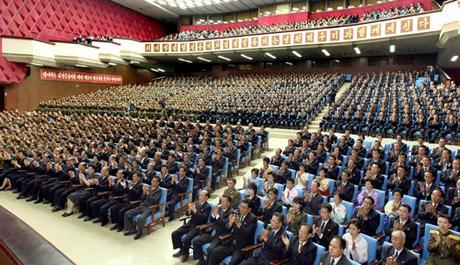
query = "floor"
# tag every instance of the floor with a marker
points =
(87, 243)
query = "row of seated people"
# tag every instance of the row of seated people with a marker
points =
(66, 160)
(279, 100)
(88, 40)
(299, 25)
(394, 103)
(231, 233)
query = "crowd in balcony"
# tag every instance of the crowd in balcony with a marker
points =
(300, 25)
(279, 100)
(88, 40)
(395, 103)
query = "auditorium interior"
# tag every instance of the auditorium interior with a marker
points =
(314, 132)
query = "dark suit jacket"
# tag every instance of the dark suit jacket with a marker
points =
(152, 198)
(370, 225)
(244, 235)
(220, 224)
(306, 256)
(330, 230)
(428, 217)
(405, 258)
(348, 190)
(410, 229)
(423, 195)
(282, 176)
(175, 188)
(135, 193)
(201, 215)
(325, 259)
(273, 248)
(268, 213)
(314, 204)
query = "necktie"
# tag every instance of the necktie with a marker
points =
(396, 255)
(300, 246)
(321, 229)
(332, 261)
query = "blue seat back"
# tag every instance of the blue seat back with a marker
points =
(371, 248)
(319, 250)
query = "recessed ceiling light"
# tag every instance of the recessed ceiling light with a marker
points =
(161, 70)
(357, 50)
(289, 63)
(297, 54)
(81, 65)
(36, 64)
(224, 58)
(134, 62)
(454, 58)
(325, 52)
(245, 56)
(203, 59)
(184, 60)
(270, 55)
(392, 48)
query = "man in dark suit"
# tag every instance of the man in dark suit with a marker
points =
(451, 176)
(270, 206)
(283, 173)
(332, 167)
(335, 254)
(300, 249)
(324, 228)
(176, 185)
(273, 247)
(231, 153)
(199, 213)
(397, 254)
(345, 188)
(368, 217)
(355, 173)
(400, 180)
(424, 189)
(428, 211)
(423, 167)
(150, 196)
(313, 199)
(244, 226)
(219, 219)
(404, 223)
(218, 162)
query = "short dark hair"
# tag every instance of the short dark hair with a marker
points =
(444, 215)
(405, 205)
(370, 198)
(274, 190)
(253, 186)
(290, 180)
(247, 202)
(398, 190)
(356, 222)
(233, 180)
(339, 194)
(279, 216)
(326, 206)
(299, 200)
(229, 198)
(266, 159)
(343, 243)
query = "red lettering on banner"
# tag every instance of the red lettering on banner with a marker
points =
(67, 76)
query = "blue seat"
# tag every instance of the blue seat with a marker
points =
(158, 215)
(319, 250)
(309, 219)
(406, 199)
(349, 207)
(187, 197)
(275, 169)
(293, 172)
(371, 248)
(260, 184)
(280, 188)
(383, 222)
(332, 184)
(341, 230)
(355, 192)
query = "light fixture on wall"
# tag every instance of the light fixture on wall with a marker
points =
(270, 55)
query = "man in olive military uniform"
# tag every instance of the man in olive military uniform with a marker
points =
(442, 244)
(233, 193)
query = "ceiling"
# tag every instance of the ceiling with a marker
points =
(171, 14)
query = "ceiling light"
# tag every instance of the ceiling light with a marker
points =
(297, 54)
(112, 64)
(134, 62)
(161, 70)
(81, 65)
(224, 58)
(357, 50)
(154, 70)
(325, 52)
(337, 60)
(36, 64)
(289, 63)
(270, 55)
(392, 48)
(245, 56)
(454, 58)
(184, 60)
(204, 59)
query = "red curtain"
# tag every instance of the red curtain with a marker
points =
(287, 18)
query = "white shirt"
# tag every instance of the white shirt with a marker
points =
(360, 252)
(289, 195)
(338, 212)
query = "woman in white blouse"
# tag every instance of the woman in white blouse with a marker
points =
(392, 207)
(338, 209)
(356, 245)
(301, 177)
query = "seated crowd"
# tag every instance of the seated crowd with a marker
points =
(392, 103)
(278, 100)
(374, 15)
(116, 168)
(322, 187)
(88, 40)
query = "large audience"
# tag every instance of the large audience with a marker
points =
(300, 25)
(392, 103)
(279, 100)
(97, 162)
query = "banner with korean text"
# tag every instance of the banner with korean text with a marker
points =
(81, 77)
